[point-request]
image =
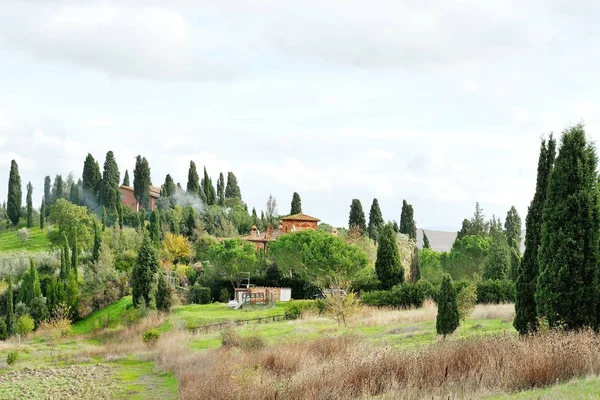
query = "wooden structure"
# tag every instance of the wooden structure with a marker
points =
(262, 295)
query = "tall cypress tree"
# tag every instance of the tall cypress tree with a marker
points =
(193, 183)
(512, 225)
(144, 273)
(296, 204)
(15, 195)
(42, 214)
(407, 221)
(567, 292)
(142, 182)
(169, 187)
(357, 217)
(10, 317)
(97, 243)
(426, 244)
(155, 227)
(35, 290)
(91, 179)
(126, 178)
(232, 190)
(104, 218)
(74, 194)
(47, 194)
(255, 220)
(208, 190)
(29, 205)
(447, 317)
(75, 256)
(67, 258)
(109, 188)
(375, 220)
(221, 190)
(58, 188)
(388, 266)
(163, 294)
(415, 266)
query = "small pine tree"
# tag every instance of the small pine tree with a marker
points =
(357, 217)
(426, 244)
(10, 318)
(126, 178)
(155, 227)
(296, 204)
(29, 205)
(375, 220)
(193, 183)
(388, 266)
(15, 195)
(447, 317)
(144, 273)
(163, 294)
(43, 214)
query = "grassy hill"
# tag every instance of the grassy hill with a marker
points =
(36, 241)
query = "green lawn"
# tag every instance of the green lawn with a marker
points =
(197, 315)
(114, 312)
(583, 388)
(37, 240)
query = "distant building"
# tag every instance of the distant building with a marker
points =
(289, 224)
(129, 200)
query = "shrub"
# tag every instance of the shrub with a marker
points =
(252, 342)
(495, 291)
(23, 235)
(12, 357)
(230, 337)
(25, 325)
(299, 308)
(402, 296)
(341, 306)
(224, 296)
(3, 330)
(199, 295)
(150, 337)
(465, 300)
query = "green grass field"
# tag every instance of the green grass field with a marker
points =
(37, 240)
(577, 389)
(114, 312)
(197, 315)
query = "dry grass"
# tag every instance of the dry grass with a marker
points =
(343, 367)
(504, 312)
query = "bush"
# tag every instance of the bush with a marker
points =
(230, 337)
(3, 330)
(25, 325)
(402, 296)
(224, 296)
(199, 295)
(150, 337)
(495, 291)
(12, 357)
(252, 342)
(465, 300)
(299, 308)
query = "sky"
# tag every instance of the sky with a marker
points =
(441, 103)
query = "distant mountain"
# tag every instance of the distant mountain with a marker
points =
(439, 240)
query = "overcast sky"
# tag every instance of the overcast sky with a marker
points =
(437, 102)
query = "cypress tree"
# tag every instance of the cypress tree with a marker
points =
(208, 189)
(232, 190)
(97, 243)
(109, 187)
(74, 195)
(163, 294)
(255, 220)
(512, 225)
(58, 188)
(67, 259)
(447, 317)
(42, 214)
(190, 222)
(221, 190)
(375, 220)
(497, 261)
(104, 218)
(15, 195)
(91, 179)
(142, 182)
(395, 226)
(144, 273)
(29, 205)
(357, 217)
(415, 266)
(34, 280)
(567, 292)
(388, 266)
(169, 186)
(193, 183)
(47, 194)
(407, 221)
(120, 215)
(426, 244)
(155, 227)
(75, 257)
(10, 318)
(296, 204)
(263, 221)
(126, 178)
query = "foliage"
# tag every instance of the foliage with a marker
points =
(144, 274)
(24, 325)
(466, 300)
(91, 179)
(497, 261)
(407, 221)
(3, 330)
(221, 190)
(150, 337)
(224, 295)
(375, 221)
(297, 309)
(12, 357)
(164, 294)
(10, 323)
(354, 237)
(23, 235)
(415, 266)
(341, 306)
(240, 218)
(232, 190)
(495, 291)
(208, 190)
(154, 227)
(357, 217)
(296, 206)
(388, 266)
(29, 205)
(233, 259)
(426, 244)
(110, 194)
(406, 295)
(70, 220)
(126, 179)
(38, 310)
(200, 295)
(466, 259)
(193, 182)
(512, 225)
(43, 214)
(431, 266)
(476, 226)
(567, 290)
(318, 257)
(176, 248)
(447, 317)
(525, 305)
(15, 196)
(142, 181)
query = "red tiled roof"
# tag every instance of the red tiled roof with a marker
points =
(300, 217)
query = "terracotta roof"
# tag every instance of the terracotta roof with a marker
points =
(154, 191)
(300, 217)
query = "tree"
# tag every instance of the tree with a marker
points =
(388, 267)
(24, 325)
(567, 292)
(72, 221)
(193, 183)
(169, 187)
(255, 219)
(144, 272)
(91, 179)
(15, 196)
(104, 218)
(97, 243)
(74, 196)
(47, 194)
(42, 214)
(357, 217)
(155, 227)
(66, 262)
(29, 205)
(233, 260)
(272, 212)
(142, 182)
(415, 267)
(375, 220)
(163, 294)
(221, 190)
(527, 274)
(407, 221)
(208, 189)
(176, 248)
(58, 188)
(426, 244)
(476, 226)
(296, 204)
(232, 190)
(512, 225)
(10, 318)
(126, 178)
(447, 316)
(75, 257)
(497, 261)
(110, 194)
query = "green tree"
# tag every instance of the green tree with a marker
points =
(72, 221)
(67, 260)
(388, 266)
(447, 316)
(467, 257)
(255, 219)
(143, 276)
(58, 188)
(512, 225)
(15, 195)
(375, 220)
(47, 194)
(357, 217)
(155, 227)
(193, 183)
(91, 179)
(142, 182)
(525, 307)
(567, 292)
(10, 317)
(426, 244)
(163, 294)
(476, 226)
(221, 190)
(126, 178)
(407, 221)
(74, 196)
(104, 218)
(169, 187)
(415, 267)
(232, 190)
(497, 261)
(208, 189)
(29, 205)
(43, 214)
(296, 204)
(110, 195)
(233, 260)
(75, 257)
(97, 243)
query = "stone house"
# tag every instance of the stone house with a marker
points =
(129, 200)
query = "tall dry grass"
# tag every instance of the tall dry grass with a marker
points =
(343, 367)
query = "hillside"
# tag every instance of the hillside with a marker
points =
(37, 240)
(439, 240)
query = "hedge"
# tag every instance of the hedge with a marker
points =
(199, 295)
(496, 291)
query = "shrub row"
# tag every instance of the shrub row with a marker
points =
(496, 291)
(299, 308)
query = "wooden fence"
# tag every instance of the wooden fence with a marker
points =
(221, 325)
